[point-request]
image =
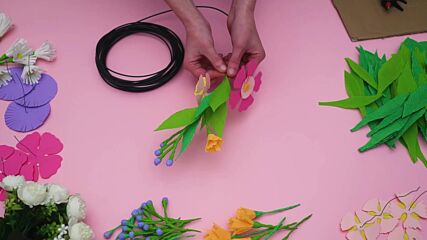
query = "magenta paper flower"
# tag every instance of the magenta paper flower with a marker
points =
(408, 212)
(354, 224)
(401, 233)
(43, 158)
(244, 85)
(11, 162)
(386, 221)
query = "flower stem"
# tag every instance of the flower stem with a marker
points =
(296, 227)
(261, 213)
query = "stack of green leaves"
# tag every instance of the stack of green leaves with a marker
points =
(210, 114)
(146, 223)
(391, 96)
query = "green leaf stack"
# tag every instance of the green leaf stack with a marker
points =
(391, 95)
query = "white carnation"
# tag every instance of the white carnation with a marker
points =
(11, 183)
(31, 74)
(56, 194)
(81, 231)
(19, 50)
(46, 51)
(76, 208)
(32, 194)
(5, 24)
(4, 76)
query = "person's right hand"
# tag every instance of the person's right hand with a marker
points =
(201, 56)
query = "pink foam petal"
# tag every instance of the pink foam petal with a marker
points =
(388, 225)
(6, 152)
(257, 82)
(246, 103)
(49, 144)
(414, 234)
(371, 206)
(234, 99)
(49, 165)
(347, 221)
(395, 210)
(420, 209)
(240, 78)
(28, 171)
(30, 143)
(251, 67)
(372, 232)
(2, 195)
(13, 164)
(354, 235)
(407, 200)
(411, 222)
(397, 234)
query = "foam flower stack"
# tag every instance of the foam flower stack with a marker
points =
(210, 114)
(24, 84)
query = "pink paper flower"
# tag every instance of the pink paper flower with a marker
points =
(408, 212)
(244, 85)
(353, 224)
(43, 158)
(11, 161)
(386, 221)
(401, 233)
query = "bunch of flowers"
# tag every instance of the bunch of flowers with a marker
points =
(398, 219)
(244, 226)
(37, 211)
(146, 223)
(210, 114)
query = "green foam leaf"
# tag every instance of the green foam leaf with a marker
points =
(188, 136)
(389, 72)
(178, 119)
(353, 102)
(220, 95)
(217, 120)
(416, 101)
(362, 73)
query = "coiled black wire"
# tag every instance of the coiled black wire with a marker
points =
(144, 82)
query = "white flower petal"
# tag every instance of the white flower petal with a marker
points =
(81, 231)
(46, 51)
(4, 76)
(19, 49)
(76, 209)
(32, 194)
(10, 183)
(31, 74)
(5, 24)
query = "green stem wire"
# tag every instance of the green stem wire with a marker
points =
(296, 226)
(261, 213)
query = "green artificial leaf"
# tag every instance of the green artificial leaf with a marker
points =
(406, 82)
(221, 94)
(387, 121)
(188, 136)
(382, 112)
(411, 139)
(352, 102)
(411, 44)
(178, 119)
(204, 104)
(217, 120)
(389, 72)
(354, 87)
(362, 73)
(416, 101)
(411, 121)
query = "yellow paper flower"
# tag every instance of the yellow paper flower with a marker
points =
(245, 213)
(213, 144)
(240, 225)
(202, 87)
(218, 233)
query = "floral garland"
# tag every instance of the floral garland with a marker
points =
(210, 114)
(37, 211)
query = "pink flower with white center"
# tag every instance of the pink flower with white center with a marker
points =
(354, 223)
(11, 161)
(244, 85)
(386, 221)
(408, 211)
(401, 233)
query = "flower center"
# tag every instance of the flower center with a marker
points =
(247, 87)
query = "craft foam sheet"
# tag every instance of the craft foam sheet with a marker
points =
(284, 149)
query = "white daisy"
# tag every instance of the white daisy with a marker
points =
(4, 76)
(46, 51)
(31, 74)
(19, 50)
(5, 24)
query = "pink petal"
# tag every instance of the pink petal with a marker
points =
(246, 103)
(257, 82)
(30, 143)
(372, 206)
(29, 172)
(372, 232)
(420, 209)
(354, 235)
(6, 152)
(411, 222)
(251, 67)
(13, 164)
(406, 200)
(347, 221)
(2, 195)
(397, 234)
(240, 78)
(49, 165)
(414, 234)
(388, 225)
(49, 144)
(234, 99)
(364, 217)
(395, 210)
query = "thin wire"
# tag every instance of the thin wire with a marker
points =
(144, 82)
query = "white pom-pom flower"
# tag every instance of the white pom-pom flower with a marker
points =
(11, 183)
(32, 194)
(4, 76)
(81, 231)
(5, 24)
(46, 51)
(19, 50)
(31, 74)
(56, 194)
(76, 209)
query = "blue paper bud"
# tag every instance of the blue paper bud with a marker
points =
(159, 232)
(140, 224)
(122, 236)
(162, 145)
(169, 162)
(158, 152)
(147, 238)
(124, 222)
(139, 218)
(107, 235)
(165, 200)
(157, 161)
(149, 202)
(131, 234)
(125, 228)
(146, 227)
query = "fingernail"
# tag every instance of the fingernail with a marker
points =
(223, 68)
(231, 71)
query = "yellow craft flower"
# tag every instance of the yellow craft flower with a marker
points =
(240, 225)
(213, 144)
(218, 233)
(202, 87)
(245, 213)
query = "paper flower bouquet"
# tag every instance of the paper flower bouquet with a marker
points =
(210, 114)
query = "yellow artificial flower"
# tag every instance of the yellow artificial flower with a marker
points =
(243, 213)
(202, 87)
(213, 144)
(240, 225)
(218, 233)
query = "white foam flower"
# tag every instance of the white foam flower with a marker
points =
(31, 74)
(46, 51)
(76, 209)
(10, 183)
(56, 194)
(5, 24)
(26, 60)
(19, 50)
(4, 76)
(81, 231)
(32, 194)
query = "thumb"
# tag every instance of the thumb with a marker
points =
(215, 59)
(234, 62)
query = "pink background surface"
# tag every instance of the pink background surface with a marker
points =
(284, 150)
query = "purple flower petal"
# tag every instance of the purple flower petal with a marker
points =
(42, 94)
(23, 119)
(15, 88)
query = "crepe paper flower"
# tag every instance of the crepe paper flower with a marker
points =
(401, 233)
(31, 74)
(213, 144)
(202, 87)
(46, 51)
(386, 221)
(11, 161)
(4, 76)
(43, 158)
(5, 24)
(239, 225)
(245, 213)
(244, 85)
(408, 211)
(218, 233)
(19, 50)
(354, 224)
